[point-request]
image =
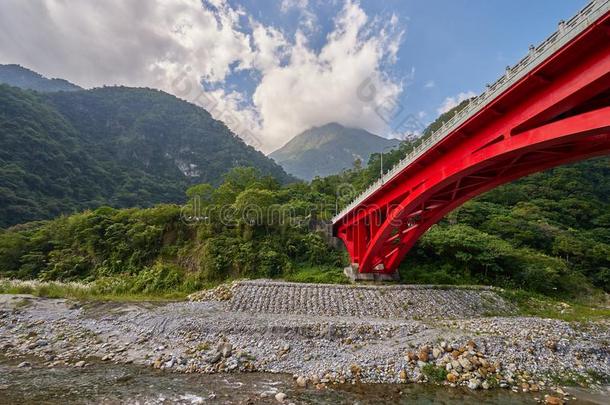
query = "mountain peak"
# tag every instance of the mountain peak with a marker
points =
(328, 149)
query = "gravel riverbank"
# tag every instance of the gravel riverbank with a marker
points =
(238, 328)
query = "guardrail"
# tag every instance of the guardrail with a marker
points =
(564, 34)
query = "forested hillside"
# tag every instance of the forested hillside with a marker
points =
(63, 152)
(548, 233)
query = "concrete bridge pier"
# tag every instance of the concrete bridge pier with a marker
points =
(354, 275)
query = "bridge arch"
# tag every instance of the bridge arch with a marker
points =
(556, 112)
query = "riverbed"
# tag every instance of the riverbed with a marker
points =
(248, 345)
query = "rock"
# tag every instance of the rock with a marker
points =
(436, 352)
(214, 358)
(423, 355)
(226, 349)
(551, 400)
(403, 375)
(465, 363)
(452, 378)
(232, 365)
(80, 364)
(485, 385)
(24, 364)
(280, 397)
(301, 381)
(471, 344)
(474, 384)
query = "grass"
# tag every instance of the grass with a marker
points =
(123, 288)
(574, 310)
(434, 373)
(572, 379)
(81, 291)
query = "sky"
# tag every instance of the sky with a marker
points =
(272, 69)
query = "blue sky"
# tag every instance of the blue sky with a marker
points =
(449, 47)
(272, 69)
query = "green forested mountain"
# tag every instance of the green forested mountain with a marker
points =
(66, 151)
(329, 149)
(18, 76)
(548, 233)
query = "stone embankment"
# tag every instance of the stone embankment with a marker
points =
(389, 302)
(321, 334)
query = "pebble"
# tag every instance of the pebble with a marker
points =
(551, 400)
(280, 397)
(301, 381)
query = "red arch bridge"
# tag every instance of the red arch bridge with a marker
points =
(551, 108)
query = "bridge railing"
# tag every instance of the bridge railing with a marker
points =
(564, 34)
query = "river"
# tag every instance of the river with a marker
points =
(117, 384)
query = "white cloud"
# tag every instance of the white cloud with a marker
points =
(316, 88)
(126, 42)
(430, 84)
(454, 101)
(175, 44)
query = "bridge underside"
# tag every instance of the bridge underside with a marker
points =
(559, 113)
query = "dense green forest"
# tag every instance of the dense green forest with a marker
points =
(547, 233)
(158, 248)
(63, 152)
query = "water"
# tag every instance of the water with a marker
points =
(119, 384)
